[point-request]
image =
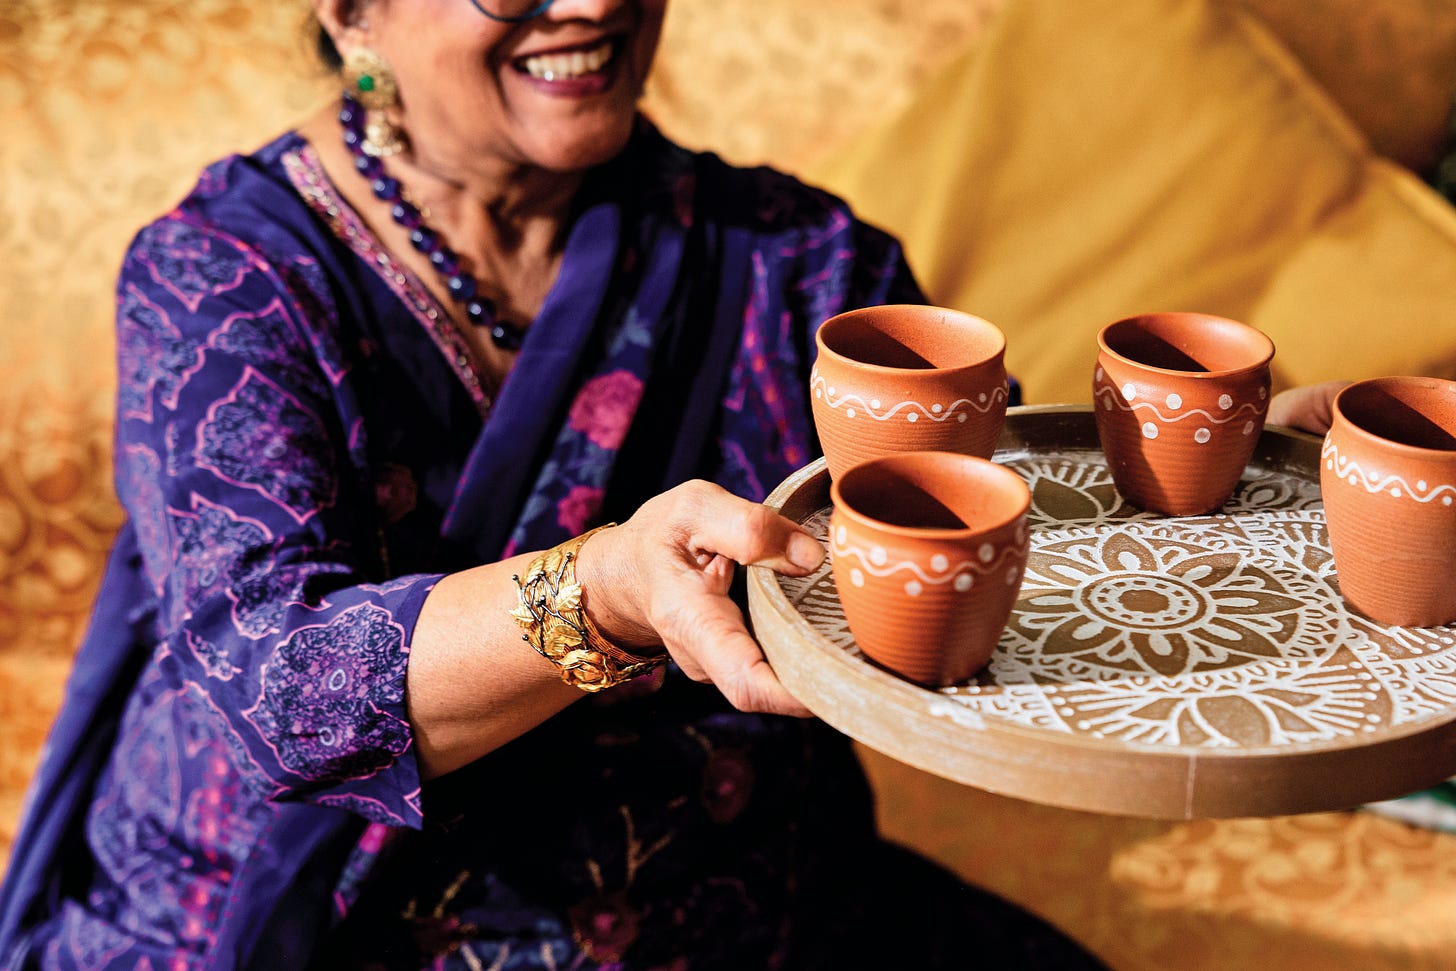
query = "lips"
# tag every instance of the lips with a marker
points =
(568, 65)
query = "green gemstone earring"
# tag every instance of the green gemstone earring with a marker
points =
(372, 82)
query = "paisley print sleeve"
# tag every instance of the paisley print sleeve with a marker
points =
(238, 459)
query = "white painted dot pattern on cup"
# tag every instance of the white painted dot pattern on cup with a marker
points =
(880, 409)
(1175, 401)
(1202, 436)
(942, 569)
(1349, 471)
(1150, 430)
(1225, 401)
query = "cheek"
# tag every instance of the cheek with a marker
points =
(452, 88)
(648, 36)
(438, 53)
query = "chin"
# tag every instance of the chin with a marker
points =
(584, 150)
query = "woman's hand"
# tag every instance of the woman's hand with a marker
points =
(662, 577)
(1309, 407)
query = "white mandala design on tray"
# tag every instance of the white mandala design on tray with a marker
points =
(1138, 602)
(1223, 631)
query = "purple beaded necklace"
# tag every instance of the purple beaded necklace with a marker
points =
(462, 287)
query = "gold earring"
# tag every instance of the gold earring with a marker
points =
(373, 84)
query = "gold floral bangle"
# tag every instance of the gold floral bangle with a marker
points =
(556, 625)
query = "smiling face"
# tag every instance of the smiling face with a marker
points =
(557, 92)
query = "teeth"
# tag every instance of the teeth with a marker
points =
(557, 67)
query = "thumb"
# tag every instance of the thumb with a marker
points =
(746, 532)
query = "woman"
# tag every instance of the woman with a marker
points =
(379, 381)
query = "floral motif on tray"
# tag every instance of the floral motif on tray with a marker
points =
(1224, 631)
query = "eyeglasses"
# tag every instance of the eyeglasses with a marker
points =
(511, 11)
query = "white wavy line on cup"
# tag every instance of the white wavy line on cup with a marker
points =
(950, 574)
(1396, 486)
(1108, 391)
(819, 385)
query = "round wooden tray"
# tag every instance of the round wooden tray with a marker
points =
(1165, 667)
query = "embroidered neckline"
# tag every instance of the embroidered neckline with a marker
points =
(312, 183)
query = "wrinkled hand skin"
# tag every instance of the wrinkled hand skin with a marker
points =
(663, 577)
(1309, 407)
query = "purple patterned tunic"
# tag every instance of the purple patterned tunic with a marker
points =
(304, 448)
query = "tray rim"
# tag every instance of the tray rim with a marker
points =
(1303, 777)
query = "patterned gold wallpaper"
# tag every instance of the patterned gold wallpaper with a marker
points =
(118, 104)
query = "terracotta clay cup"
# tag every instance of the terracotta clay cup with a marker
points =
(907, 378)
(1180, 400)
(928, 551)
(1388, 477)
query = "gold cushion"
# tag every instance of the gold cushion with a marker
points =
(1162, 155)
(1390, 64)
(1168, 154)
(792, 81)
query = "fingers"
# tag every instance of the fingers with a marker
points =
(663, 577)
(1308, 407)
(699, 624)
(707, 637)
(713, 520)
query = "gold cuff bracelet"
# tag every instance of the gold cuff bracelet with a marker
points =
(556, 624)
